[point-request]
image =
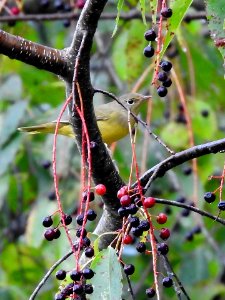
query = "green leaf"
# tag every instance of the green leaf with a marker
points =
(179, 8)
(216, 17)
(119, 8)
(142, 7)
(7, 154)
(127, 60)
(11, 121)
(107, 280)
(175, 135)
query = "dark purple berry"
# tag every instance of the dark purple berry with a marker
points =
(80, 231)
(67, 219)
(162, 91)
(148, 51)
(89, 252)
(88, 273)
(132, 209)
(67, 7)
(144, 225)
(88, 289)
(58, 4)
(91, 215)
(150, 35)
(68, 289)
(46, 164)
(57, 233)
(91, 196)
(162, 76)
(52, 195)
(141, 247)
(163, 248)
(60, 275)
(221, 205)
(66, 23)
(205, 113)
(129, 269)
(167, 282)
(80, 219)
(185, 212)
(78, 289)
(166, 65)
(134, 221)
(197, 229)
(167, 83)
(47, 222)
(86, 242)
(209, 197)
(44, 3)
(150, 293)
(166, 12)
(181, 199)
(189, 236)
(75, 275)
(187, 171)
(123, 212)
(137, 231)
(49, 234)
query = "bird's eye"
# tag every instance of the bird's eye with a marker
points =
(130, 101)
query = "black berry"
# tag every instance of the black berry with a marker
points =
(221, 205)
(57, 233)
(205, 113)
(189, 236)
(167, 83)
(52, 195)
(88, 289)
(197, 229)
(80, 219)
(80, 231)
(163, 248)
(47, 222)
(137, 231)
(150, 293)
(44, 3)
(148, 51)
(88, 273)
(86, 242)
(123, 212)
(132, 209)
(60, 296)
(129, 269)
(91, 215)
(89, 252)
(162, 76)
(150, 35)
(144, 225)
(91, 196)
(78, 289)
(75, 275)
(46, 164)
(67, 219)
(49, 234)
(166, 65)
(185, 212)
(166, 12)
(134, 221)
(67, 7)
(209, 197)
(58, 4)
(141, 247)
(167, 282)
(187, 171)
(181, 199)
(60, 275)
(66, 23)
(162, 91)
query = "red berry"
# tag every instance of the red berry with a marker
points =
(15, 10)
(125, 200)
(100, 189)
(164, 233)
(127, 239)
(161, 218)
(123, 191)
(149, 202)
(80, 4)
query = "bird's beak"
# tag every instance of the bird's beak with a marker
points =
(146, 98)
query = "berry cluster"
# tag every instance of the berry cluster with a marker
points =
(149, 51)
(210, 197)
(77, 287)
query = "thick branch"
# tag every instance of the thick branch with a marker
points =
(179, 158)
(34, 54)
(103, 169)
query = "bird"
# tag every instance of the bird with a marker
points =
(112, 119)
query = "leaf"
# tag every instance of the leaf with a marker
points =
(107, 280)
(119, 8)
(127, 60)
(216, 16)
(7, 154)
(142, 7)
(175, 135)
(179, 8)
(13, 116)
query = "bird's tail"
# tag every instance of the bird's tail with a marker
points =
(65, 128)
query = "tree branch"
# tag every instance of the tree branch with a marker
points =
(39, 56)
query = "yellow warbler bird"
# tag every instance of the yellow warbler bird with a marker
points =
(112, 119)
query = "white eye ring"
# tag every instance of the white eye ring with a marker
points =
(130, 101)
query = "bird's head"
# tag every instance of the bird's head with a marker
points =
(133, 101)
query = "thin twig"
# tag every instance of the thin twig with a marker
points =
(130, 287)
(47, 275)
